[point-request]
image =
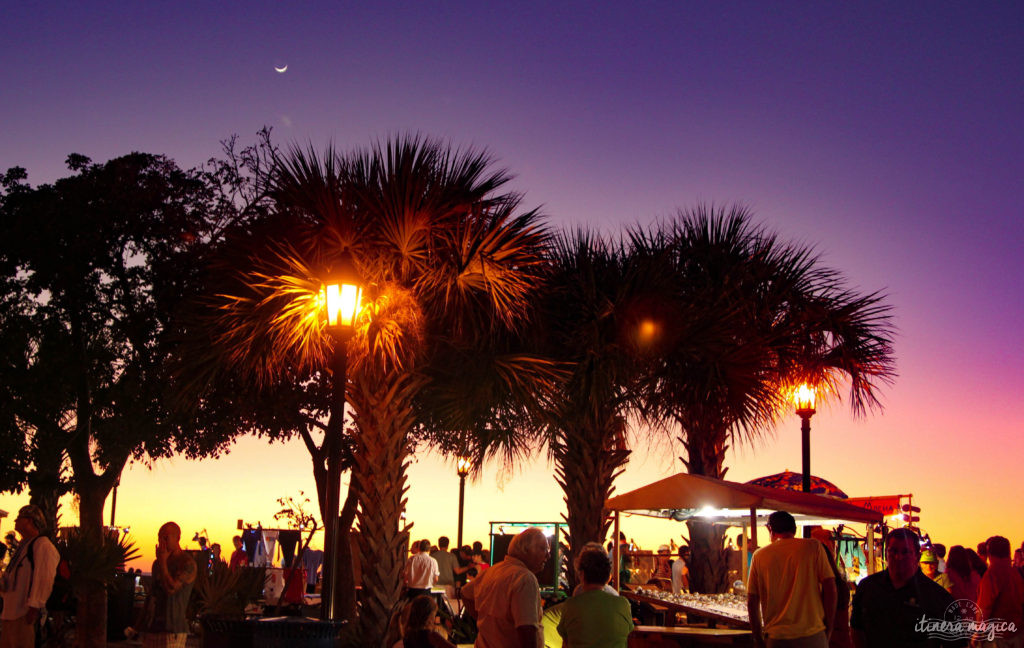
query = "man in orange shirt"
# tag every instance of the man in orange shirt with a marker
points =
(1001, 595)
(792, 585)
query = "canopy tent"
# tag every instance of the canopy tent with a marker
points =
(684, 496)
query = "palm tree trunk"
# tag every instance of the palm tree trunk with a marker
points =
(705, 455)
(586, 468)
(708, 564)
(383, 418)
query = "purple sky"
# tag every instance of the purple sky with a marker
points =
(888, 135)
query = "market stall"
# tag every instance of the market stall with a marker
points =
(683, 497)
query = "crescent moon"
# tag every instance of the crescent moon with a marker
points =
(281, 70)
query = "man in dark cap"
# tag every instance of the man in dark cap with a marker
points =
(28, 580)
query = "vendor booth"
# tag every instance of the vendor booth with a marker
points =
(684, 496)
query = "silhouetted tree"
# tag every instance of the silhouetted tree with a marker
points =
(96, 267)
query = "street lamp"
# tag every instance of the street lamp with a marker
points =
(341, 295)
(804, 399)
(462, 467)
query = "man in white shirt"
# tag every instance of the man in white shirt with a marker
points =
(28, 580)
(680, 572)
(421, 571)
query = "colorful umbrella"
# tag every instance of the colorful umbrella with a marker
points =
(794, 481)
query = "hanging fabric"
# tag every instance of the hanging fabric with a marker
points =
(288, 539)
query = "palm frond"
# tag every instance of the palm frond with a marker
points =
(758, 316)
(94, 560)
(274, 319)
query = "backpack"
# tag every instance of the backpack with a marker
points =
(61, 597)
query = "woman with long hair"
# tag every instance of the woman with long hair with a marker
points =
(964, 580)
(977, 563)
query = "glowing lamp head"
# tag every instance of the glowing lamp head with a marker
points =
(803, 397)
(343, 292)
(342, 304)
(463, 466)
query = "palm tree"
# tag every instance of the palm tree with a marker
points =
(769, 316)
(599, 306)
(449, 264)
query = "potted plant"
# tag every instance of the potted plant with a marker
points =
(93, 564)
(221, 596)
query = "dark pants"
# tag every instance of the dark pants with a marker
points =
(413, 592)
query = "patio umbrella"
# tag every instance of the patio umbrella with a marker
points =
(793, 481)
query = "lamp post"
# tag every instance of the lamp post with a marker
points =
(341, 293)
(804, 399)
(462, 469)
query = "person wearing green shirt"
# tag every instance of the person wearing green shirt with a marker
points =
(595, 617)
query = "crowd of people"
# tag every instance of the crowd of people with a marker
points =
(505, 599)
(797, 593)
(798, 597)
(431, 565)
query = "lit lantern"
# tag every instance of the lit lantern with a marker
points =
(803, 396)
(462, 467)
(342, 293)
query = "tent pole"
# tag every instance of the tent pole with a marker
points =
(615, 552)
(746, 553)
(753, 527)
(871, 548)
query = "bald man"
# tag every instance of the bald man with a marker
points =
(174, 572)
(505, 600)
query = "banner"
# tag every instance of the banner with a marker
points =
(884, 504)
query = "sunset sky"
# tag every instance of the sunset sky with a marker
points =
(890, 136)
